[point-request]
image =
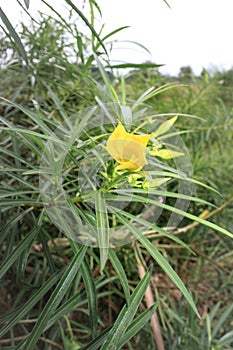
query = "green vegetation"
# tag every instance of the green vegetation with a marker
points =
(56, 293)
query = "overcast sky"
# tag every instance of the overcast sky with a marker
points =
(192, 32)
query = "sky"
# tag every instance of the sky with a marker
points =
(191, 32)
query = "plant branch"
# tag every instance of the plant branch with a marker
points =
(149, 298)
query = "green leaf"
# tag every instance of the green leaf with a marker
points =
(112, 94)
(11, 223)
(37, 137)
(27, 2)
(139, 45)
(165, 153)
(120, 272)
(114, 32)
(184, 214)
(166, 126)
(37, 117)
(13, 155)
(91, 295)
(126, 316)
(102, 227)
(18, 202)
(66, 24)
(20, 179)
(155, 192)
(57, 103)
(156, 228)
(14, 35)
(221, 320)
(47, 251)
(163, 263)
(96, 343)
(23, 245)
(96, 6)
(135, 65)
(29, 304)
(54, 300)
(227, 338)
(137, 325)
(166, 2)
(16, 193)
(151, 92)
(90, 289)
(92, 29)
(183, 178)
(157, 182)
(73, 303)
(80, 48)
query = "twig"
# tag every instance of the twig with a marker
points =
(16, 339)
(51, 342)
(207, 216)
(193, 224)
(154, 321)
(9, 340)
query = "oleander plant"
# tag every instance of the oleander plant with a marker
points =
(116, 198)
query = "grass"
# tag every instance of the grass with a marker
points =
(60, 291)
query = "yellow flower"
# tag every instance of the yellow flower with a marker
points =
(127, 149)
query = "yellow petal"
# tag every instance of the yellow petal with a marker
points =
(127, 149)
(127, 165)
(119, 132)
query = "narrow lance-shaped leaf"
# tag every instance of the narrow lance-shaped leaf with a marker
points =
(27, 3)
(163, 263)
(90, 289)
(29, 304)
(156, 228)
(24, 244)
(165, 153)
(91, 295)
(166, 126)
(92, 29)
(137, 324)
(222, 320)
(54, 301)
(102, 227)
(166, 2)
(7, 226)
(14, 35)
(74, 302)
(126, 316)
(111, 92)
(120, 272)
(150, 93)
(136, 65)
(184, 214)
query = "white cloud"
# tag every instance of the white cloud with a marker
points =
(192, 32)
